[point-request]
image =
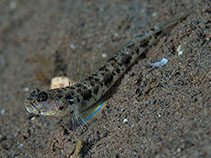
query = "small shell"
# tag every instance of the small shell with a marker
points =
(163, 62)
(61, 81)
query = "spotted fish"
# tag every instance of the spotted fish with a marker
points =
(82, 101)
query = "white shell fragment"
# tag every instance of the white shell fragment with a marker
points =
(104, 55)
(33, 118)
(61, 81)
(125, 120)
(2, 112)
(178, 48)
(180, 52)
(26, 89)
(72, 46)
(159, 63)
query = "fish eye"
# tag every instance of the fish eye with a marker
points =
(42, 97)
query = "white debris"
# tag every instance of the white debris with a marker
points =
(163, 62)
(156, 27)
(178, 48)
(12, 5)
(125, 120)
(104, 55)
(179, 150)
(122, 110)
(26, 89)
(33, 118)
(72, 46)
(180, 52)
(116, 34)
(2, 112)
(61, 81)
(154, 14)
(142, 10)
(159, 115)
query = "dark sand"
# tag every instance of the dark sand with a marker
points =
(167, 108)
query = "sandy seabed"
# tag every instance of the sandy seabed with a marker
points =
(153, 112)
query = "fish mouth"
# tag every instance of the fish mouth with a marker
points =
(31, 108)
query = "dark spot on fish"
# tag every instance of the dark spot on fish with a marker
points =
(126, 59)
(92, 84)
(112, 60)
(96, 89)
(130, 46)
(71, 93)
(70, 87)
(120, 64)
(78, 90)
(118, 70)
(78, 85)
(113, 73)
(78, 99)
(59, 91)
(102, 68)
(144, 43)
(81, 86)
(106, 69)
(107, 79)
(137, 51)
(87, 94)
(90, 78)
(97, 80)
(113, 64)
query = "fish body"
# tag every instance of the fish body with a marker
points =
(82, 101)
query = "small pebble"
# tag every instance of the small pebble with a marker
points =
(154, 14)
(163, 62)
(2, 112)
(179, 150)
(180, 52)
(12, 5)
(72, 46)
(178, 48)
(116, 34)
(26, 89)
(125, 120)
(104, 55)
(33, 118)
(60, 81)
